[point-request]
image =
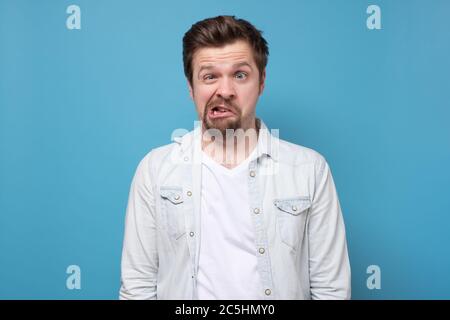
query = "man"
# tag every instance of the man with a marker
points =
(229, 211)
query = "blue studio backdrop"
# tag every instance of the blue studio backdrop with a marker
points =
(87, 88)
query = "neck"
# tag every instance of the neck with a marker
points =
(233, 148)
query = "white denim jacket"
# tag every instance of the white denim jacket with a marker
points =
(295, 212)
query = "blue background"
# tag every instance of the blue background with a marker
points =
(80, 108)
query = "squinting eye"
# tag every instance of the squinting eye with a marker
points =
(208, 77)
(241, 75)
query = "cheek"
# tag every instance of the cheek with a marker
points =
(202, 95)
(247, 98)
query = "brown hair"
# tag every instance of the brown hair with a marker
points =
(220, 31)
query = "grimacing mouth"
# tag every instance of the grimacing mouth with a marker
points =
(222, 108)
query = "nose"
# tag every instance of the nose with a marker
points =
(225, 89)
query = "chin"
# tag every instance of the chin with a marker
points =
(223, 124)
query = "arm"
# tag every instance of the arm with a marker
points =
(139, 254)
(329, 265)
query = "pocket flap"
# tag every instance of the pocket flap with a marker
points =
(294, 206)
(173, 194)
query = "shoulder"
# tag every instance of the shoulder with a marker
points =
(164, 158)
(156, 157)
(297, 155)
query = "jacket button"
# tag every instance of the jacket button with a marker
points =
(294, 208)
(189, 193)
(177, 197)
(267, 292)
(261, 250)
(256, 210)
(191, 234)
(252, 173)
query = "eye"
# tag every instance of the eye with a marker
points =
(241, 75)
(208, 77)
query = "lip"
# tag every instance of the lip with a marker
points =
(214, 114)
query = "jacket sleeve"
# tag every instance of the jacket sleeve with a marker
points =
(139, 267)
(329, 265)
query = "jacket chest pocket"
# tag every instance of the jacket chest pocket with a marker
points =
(291, 218)
(172, 211)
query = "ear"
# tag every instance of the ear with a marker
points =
(262, 82)
(191, 91)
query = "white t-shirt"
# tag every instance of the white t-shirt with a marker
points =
(227, 262)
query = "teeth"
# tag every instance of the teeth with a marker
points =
(218, 109)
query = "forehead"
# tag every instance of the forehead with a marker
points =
(230, 53)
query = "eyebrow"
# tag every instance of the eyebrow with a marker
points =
(236, 65)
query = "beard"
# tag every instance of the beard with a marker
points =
(222, 124)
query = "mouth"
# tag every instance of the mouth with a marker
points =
(219, 112)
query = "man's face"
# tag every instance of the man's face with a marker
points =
(225, 86)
